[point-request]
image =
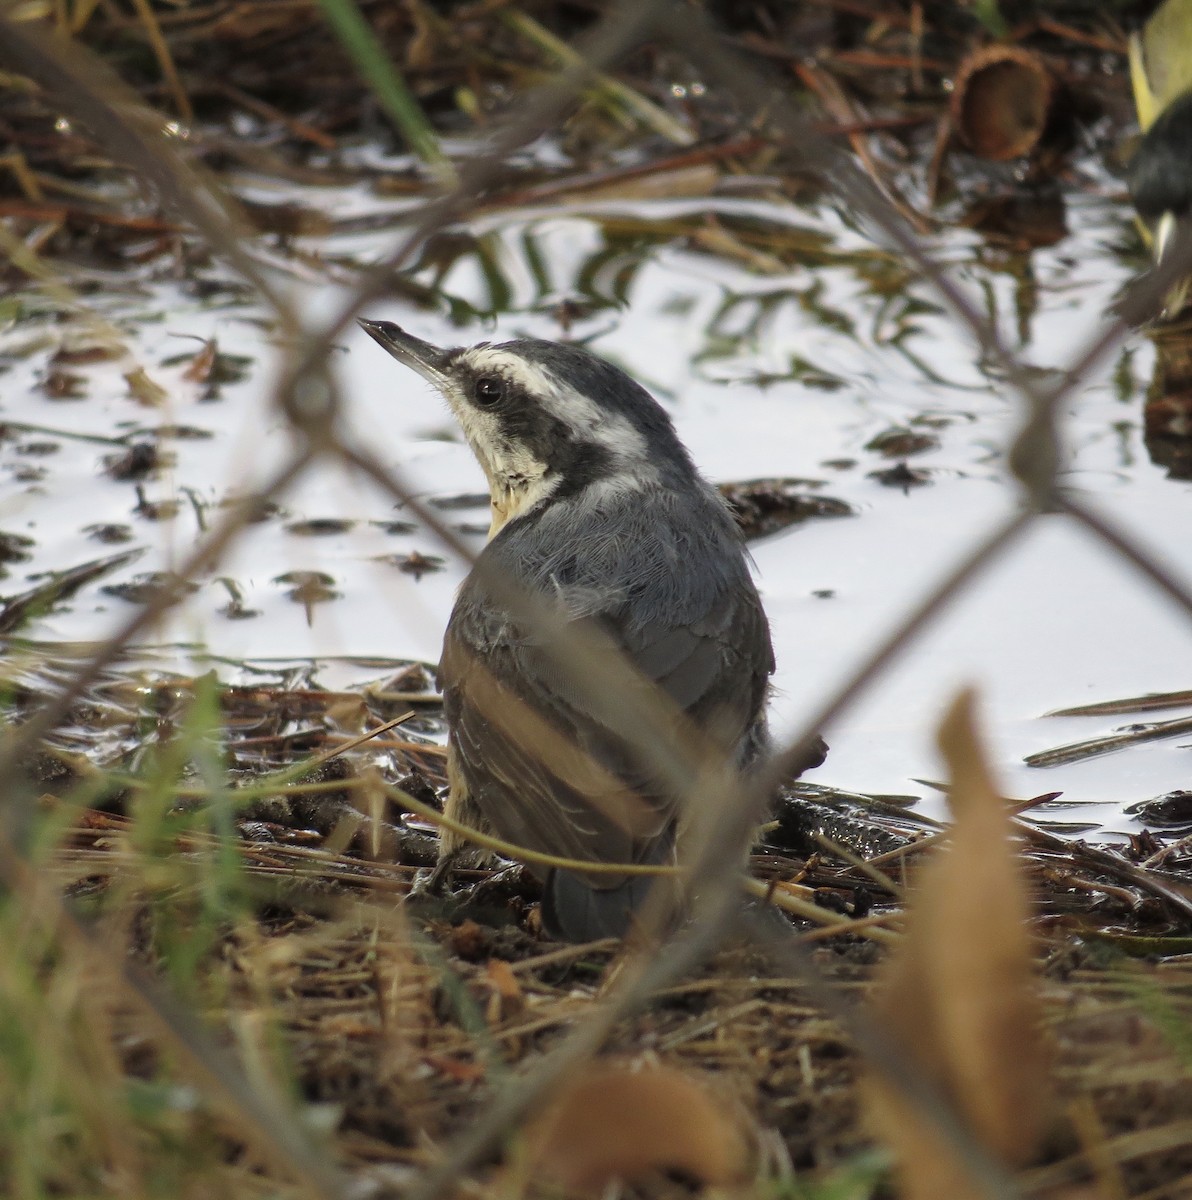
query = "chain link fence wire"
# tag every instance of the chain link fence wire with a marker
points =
(309, 395)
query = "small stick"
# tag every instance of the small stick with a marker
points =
(865, 866)
(1131, 704)
(1092, 747)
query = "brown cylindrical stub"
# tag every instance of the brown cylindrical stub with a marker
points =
(1000, 101)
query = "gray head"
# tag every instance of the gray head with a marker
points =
(546, 420)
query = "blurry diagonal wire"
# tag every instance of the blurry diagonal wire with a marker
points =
(1129, 549)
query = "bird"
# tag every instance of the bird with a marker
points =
(597, 510)
(1159, 174)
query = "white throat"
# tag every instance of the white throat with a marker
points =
(509, 498)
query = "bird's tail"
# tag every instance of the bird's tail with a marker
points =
(573, 910)
(576, 911)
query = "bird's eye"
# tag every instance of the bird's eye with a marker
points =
(490, 390)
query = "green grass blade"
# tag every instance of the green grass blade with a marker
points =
(387, 84)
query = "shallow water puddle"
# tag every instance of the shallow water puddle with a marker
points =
(782, 343)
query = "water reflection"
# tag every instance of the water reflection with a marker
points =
(786, 345)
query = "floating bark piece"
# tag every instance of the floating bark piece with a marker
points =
(140, 460)
(151, 587)
(857, 822)
(764, 506)
(1001, 101)
(1171, 810)
(898, 442)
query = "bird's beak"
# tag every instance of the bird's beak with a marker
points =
(429, 361)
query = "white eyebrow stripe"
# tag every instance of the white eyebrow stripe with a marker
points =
(530, 376)
(616, 433)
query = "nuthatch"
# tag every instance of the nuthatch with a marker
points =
(1160, 173)
(598, 509)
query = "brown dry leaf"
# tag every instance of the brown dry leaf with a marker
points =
(617, 1123)
(506, 997)
(199, 368)
(143, 389)
(958, 995)
(348, 713)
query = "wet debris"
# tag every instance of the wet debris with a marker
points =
(236, 609)
(26, 472)
(1021, 220)
(82, 353)
(262, 510)
(183, 433)
(765, 506)
(902, 476)
(111, 535)
(139, 461)
(58, 384)
(803, 813)
(287, 219)
(56, 586)
(900, 442)
(1129, 704)
(415, 563)
(418, 787)
(413, 684)
(320, 527)
(1167, 415)
(309, 588)
(396, 528)
(1130, 735)
(151, 587)
(567, 311)
(155, 510)
(145, 390)
(463, 500)
(1171, 810)
(14, 547)
(211, 368)
(1142, 845)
